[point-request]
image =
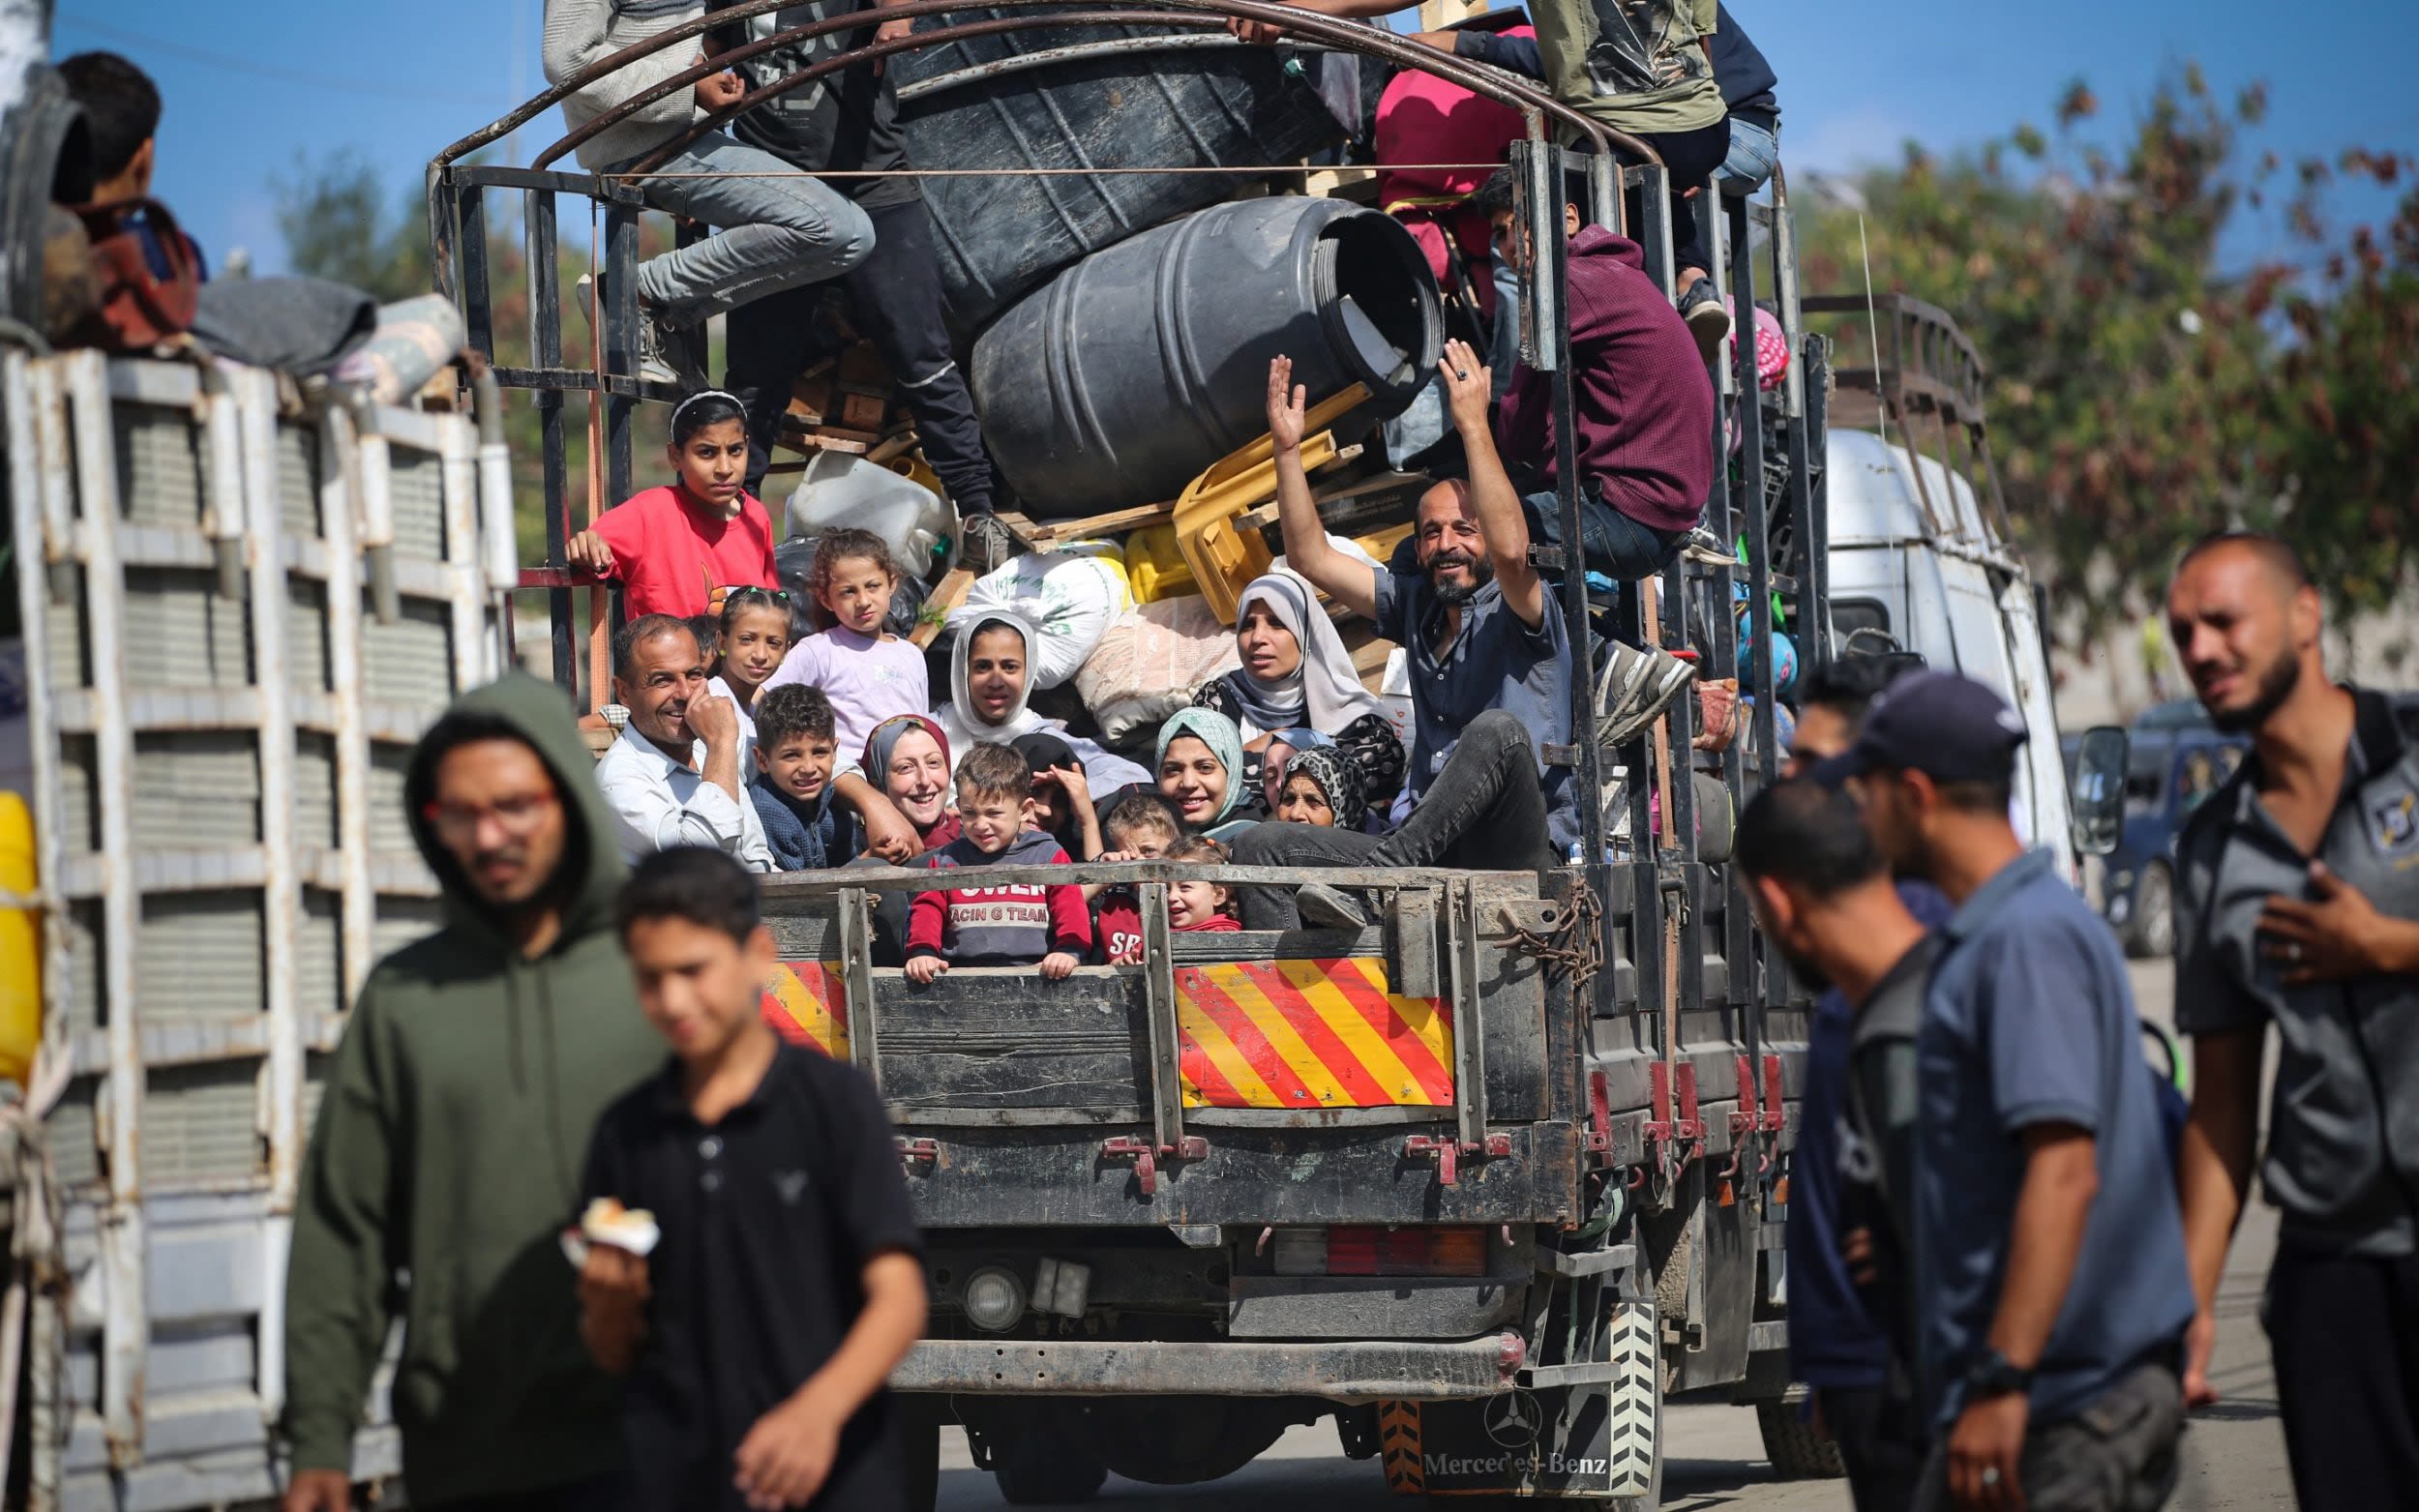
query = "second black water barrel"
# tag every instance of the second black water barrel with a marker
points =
(1044, 118)
(1123, 378)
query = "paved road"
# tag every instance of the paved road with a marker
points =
(2233, 1455)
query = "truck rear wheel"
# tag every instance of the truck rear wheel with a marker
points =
(920, 1442)
(1796, 1447)
(1184, 1440)
(1048, 1467)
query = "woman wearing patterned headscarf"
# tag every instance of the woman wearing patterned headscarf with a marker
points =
(1320, 786)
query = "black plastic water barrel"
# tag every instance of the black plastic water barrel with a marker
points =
(1044, 115)
(1127, 375)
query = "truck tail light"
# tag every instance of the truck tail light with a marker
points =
(1374, 1250)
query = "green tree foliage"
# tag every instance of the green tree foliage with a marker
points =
(2141, 391)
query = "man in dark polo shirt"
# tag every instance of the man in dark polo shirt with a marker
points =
(2051, 1290)
(786, 1284)
(1491, 670)
(1823, 892)
(2297, 905)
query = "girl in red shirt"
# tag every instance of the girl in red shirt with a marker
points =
(676, 550)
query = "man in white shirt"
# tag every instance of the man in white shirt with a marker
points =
(673, 777)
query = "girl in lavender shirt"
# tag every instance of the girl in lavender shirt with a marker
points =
(867, 673)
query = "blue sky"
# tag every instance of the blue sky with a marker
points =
(251, 86)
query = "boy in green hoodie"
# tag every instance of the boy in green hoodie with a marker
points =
(448, 1149)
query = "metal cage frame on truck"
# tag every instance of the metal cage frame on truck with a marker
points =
(1674, 1072)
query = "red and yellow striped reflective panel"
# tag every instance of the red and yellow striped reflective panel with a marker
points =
(808, 1004)
(1309, 1034)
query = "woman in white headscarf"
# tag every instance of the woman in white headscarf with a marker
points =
(1296, 673)
(990, 679)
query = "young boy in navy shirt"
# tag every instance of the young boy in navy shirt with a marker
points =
(787, 1282)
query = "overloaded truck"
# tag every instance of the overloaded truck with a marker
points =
(1488, 1182)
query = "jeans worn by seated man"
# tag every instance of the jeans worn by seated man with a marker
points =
(1483, 810)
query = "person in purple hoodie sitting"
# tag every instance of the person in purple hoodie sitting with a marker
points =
(1642, 403)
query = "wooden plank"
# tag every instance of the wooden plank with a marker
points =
(1043, 535)
(1000, 1038)
(951, 593)
(1115, 522)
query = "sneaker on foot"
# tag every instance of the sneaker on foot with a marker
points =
(1635, 686)
(663, 353)
(1705, 546)
(1325, 908)
(1708, 321)
(986, 544)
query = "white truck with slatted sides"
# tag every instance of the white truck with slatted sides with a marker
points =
(238, 607)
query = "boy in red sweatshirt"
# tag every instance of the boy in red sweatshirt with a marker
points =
(1642, 405)
(980, 926)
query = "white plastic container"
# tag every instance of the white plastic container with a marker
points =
(839, 489)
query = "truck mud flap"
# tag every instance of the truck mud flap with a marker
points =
(1340, 1371)
(1583, 1432)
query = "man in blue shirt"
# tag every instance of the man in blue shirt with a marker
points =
(2051, 1290)
(1838, 1347)
(1824, 894)
(1490, 671)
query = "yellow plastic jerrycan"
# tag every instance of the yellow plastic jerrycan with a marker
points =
(21, 944)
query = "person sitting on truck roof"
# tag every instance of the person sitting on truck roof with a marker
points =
(1641, 403)
(850, 124)
(122, 114)
(1490, 670)
(781, 229)
(786, 1278)
(1296, 673)
(1644, 67)
(1745, 79)
(674, 776)
(473, 1066)
(1006, 925)
(674, 550)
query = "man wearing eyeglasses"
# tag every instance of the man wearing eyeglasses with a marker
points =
(449, 1145)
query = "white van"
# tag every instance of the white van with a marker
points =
(1912, 558)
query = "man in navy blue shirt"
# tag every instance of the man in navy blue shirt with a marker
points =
(2051, 1290)
(1838, 1346)
(1823, 893)
(1490, 671)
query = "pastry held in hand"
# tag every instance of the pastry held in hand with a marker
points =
(608, 1221)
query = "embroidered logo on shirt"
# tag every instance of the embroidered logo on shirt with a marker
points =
(2394, 823)
(791, 1185)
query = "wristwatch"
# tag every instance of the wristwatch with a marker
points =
(1994, 1375)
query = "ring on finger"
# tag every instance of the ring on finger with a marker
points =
(1990, 1474)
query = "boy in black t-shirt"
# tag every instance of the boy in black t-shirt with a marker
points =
(787, 1282)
